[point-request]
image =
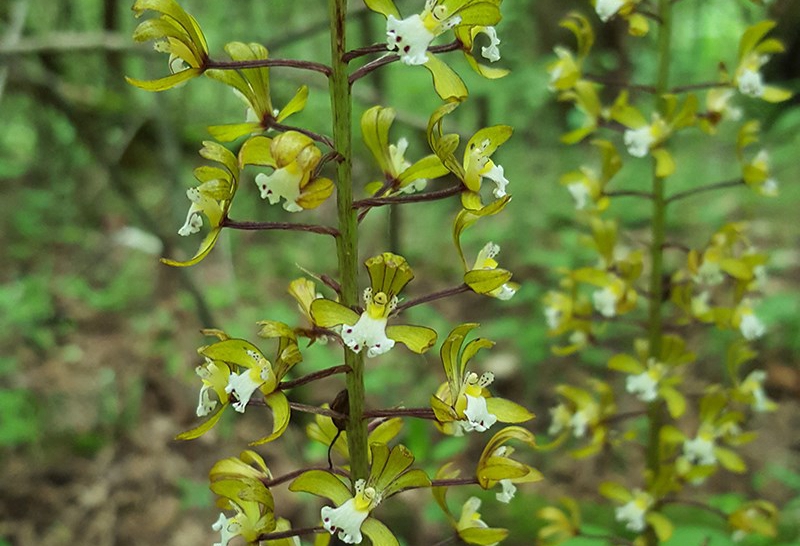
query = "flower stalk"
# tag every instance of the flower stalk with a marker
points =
(347, 241)
(656, 409)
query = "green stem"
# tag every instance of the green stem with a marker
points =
(347, 241)
(655, 411)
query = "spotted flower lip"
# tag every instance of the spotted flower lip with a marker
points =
(345, 521)
(390, 472)
(410, 38)
(463, 403)
(389, 273)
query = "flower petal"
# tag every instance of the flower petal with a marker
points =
(417, 338)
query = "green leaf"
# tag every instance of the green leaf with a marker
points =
(384, 7)
(776, 94)
(375, 124)
(413, 479)
(483, 536)
(445, 81)
(386, 431)
(172, 9)
(753, 35)
(378, 533)
(198, 431)
(660, 524)
(665, 164)
(168, 82)
(214, 151)
(327, 313)
(507, 411)
(488, 72)
(233, 351)
(428, 167)
(676, 403)
(626, 364)
(615, 492)
(388, 465)
(483, 281)
(297, 104)
(322, 484)
(417, 338)
(205, 247)
(730, 460)
(281, 414)
(257, 151)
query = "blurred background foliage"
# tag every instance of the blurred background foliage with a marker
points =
(97, 339)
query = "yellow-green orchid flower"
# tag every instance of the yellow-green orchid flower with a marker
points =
(294, 158)
(582, 412)
(177, 33)
(247, 371)
(212, 199)
(495, 467)
(399, 174)
(350, 519)
(754, 52)
(484, 276)
(651, 377)
(411, 36)
(757, 517)
(701, 454)
(238, 481)
(463, 404)
(469, 526)
(388, 274)
(637, 22)
(586, 186)
(477, 164)
(636, 510)
(566, 71)
(251, 85)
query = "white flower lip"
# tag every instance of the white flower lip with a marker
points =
(478, 417)
(508, 492)
(228, 529)
(751, 83)
(700, 450)
(638, 141)
(367, 332)
(410, 38)
(345, 520)
(280, 184)
(605, 301)
(606, 9)
(632, 515)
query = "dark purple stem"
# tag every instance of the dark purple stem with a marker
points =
(265, 63)
(432, 297)
(313, 377)
(285, 226)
